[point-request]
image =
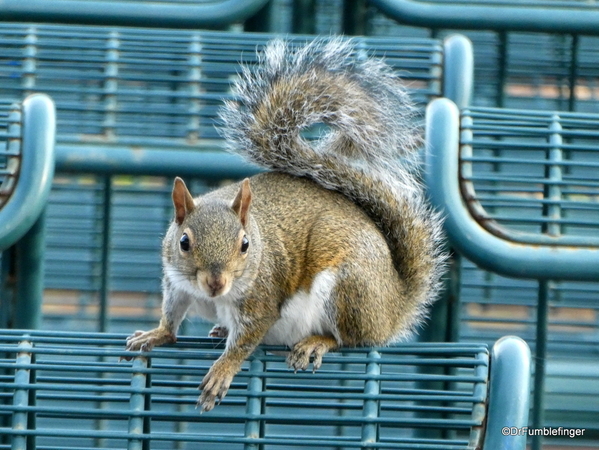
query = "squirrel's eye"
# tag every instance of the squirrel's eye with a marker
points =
(184, 242)
(245, 243)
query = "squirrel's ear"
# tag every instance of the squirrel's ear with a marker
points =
(182, 200)
(241, 204)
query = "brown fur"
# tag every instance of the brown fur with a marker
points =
(344, 208)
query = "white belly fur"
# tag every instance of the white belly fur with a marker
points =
(305, 314)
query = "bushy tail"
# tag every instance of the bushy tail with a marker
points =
(368, 152)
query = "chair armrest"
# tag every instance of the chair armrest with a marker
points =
(509, 394)
(458, 70)
(34, 159)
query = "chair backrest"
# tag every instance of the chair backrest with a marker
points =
(69, 389)
(547, 16)
(127, 90)
(519, 188)
(166, 13)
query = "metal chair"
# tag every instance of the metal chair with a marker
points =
(519, 191)
(69, 390)
(26, 173)
(143, 102)
(167, 13)
(513, 15)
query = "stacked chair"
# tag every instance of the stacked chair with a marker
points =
(136, 90)
(518, 184)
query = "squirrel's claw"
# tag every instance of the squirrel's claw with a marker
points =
(144, 341)
(214, 386)
(218, 331)
(312, 347)
(299, 358)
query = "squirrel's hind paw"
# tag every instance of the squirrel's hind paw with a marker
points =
(313, 346)
(218, 331)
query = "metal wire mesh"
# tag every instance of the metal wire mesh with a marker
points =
(10, 148)
(531, 176)
(158, 88)
(492, 305)
(67, 390)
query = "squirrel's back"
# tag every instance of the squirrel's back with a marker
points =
(368, 153)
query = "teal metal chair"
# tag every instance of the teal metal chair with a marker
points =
(530, 54)
(166, 13)
(26, 173)
(519, 189)
(27, 155)
(574, 16)
(68, 391)
(143, 102)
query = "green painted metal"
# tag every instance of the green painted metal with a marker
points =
(521, 202)
(372, 409)
(126, 97)
(535, 70)
(492, 305)
(34, 168)
(144, 102)
(21, 395)
(28, 173)
(458, 74)
(481, 408)
(574, 72)
(503, 64)
(29, 273)
(209, 165)
(255, 402)
(470, 229)
(355, 17)
(533, 15)
(105, 254)
(166, 13)
(538, 413)
(573, 329)
(539, 191)
(374, 398)
(508, 393)
(5, 291)
(303, 17)
(137, 403)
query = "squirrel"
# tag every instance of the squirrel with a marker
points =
(334, 246)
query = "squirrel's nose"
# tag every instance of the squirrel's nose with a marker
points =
(216, 284)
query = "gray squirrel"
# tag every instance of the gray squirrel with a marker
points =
(336, 246)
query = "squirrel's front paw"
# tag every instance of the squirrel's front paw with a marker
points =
(215, 385)
(145, 341)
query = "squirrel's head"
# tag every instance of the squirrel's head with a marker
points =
(211, 238)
